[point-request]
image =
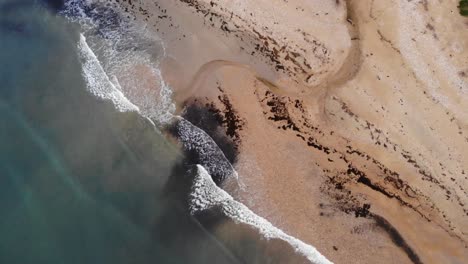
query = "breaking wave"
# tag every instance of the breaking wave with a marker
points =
(205, 195)
(127, 53)
(120, 62)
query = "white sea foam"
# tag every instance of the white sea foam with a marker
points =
(209, 155)
(114, 59)
(97, 81)
(129, 53)
(205, 194)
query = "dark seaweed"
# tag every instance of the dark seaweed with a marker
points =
(397, 238)
(211, 120)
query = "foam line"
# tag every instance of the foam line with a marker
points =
(97, 81)
(205, 194)
(207, 153)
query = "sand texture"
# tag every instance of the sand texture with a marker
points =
(349, 119)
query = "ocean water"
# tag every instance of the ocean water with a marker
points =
(87, 172)
(81, 181)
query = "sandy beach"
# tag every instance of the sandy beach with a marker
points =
(348, 118)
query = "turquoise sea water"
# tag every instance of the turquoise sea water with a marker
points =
(81, 182)
(88, 173)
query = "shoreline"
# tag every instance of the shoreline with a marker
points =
(319, 163)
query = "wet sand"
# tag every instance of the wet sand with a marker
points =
(363, 153)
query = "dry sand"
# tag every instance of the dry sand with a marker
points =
(350, 117)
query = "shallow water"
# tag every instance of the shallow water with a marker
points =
(80, 182)
(87, 172)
